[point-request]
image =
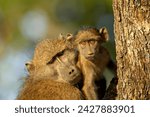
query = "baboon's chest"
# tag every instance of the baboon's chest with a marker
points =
(90, 68)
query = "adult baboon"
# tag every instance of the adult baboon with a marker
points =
(52, 72)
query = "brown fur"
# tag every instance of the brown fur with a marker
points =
(93, 59)
(49, 78)
(92, 72)
(48, 89)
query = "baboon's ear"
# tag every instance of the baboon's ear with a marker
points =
(29, 66)
(104, 34)
(70, 40)
(69, 37)
(61, 36)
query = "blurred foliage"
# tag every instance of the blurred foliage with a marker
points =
(64, 12)
(24, 22)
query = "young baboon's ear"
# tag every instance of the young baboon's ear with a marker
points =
(29, 66)
(104, 34)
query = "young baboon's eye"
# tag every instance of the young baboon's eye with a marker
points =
(92, 42)
(83, 43)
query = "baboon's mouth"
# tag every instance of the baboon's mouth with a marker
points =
(90, 58)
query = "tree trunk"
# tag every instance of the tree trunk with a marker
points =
(132, 38)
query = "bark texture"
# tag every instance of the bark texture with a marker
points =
(132, 37)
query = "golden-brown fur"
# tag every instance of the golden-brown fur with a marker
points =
(52, 72)
(48, 89)
(92, 72)
(93, 59)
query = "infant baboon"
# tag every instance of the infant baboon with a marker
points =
(52, 72)
(93, 59)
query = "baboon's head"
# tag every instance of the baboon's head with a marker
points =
(66, 66)
(55, 59)
(89, 40)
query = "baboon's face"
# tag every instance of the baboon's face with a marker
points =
(62, 68)
(89, 48)
(89, 41)
(66, 67)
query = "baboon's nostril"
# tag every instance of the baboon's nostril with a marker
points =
(71, 71)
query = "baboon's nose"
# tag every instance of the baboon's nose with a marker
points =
(71, 71)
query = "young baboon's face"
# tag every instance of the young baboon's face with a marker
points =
(89, 41)
(89, 48)
(66, 67)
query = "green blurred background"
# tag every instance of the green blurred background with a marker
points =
(24, 22)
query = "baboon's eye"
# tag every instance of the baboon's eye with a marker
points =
(50, 62)
(54, 58)
(92, 42)
(83, 43)
(60, 54)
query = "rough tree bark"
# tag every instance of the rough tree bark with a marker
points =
(132, 38)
